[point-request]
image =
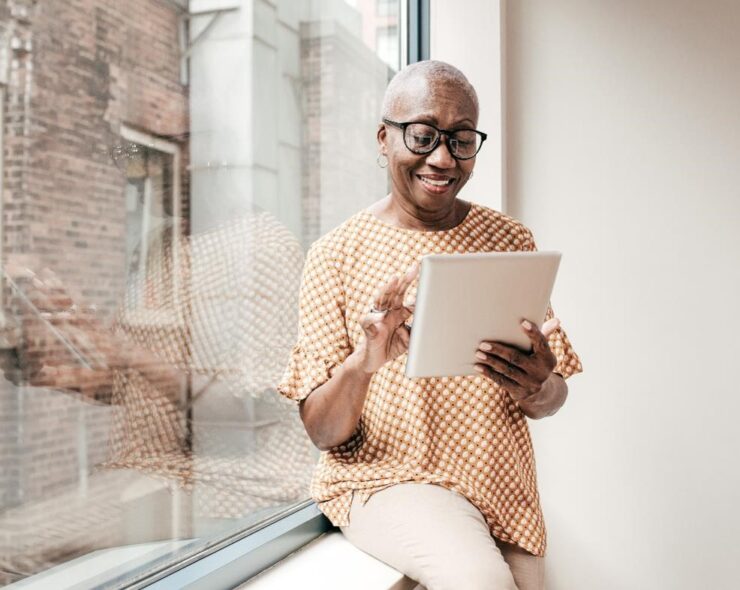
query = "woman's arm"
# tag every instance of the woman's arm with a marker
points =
(548, 400)
(332, 411)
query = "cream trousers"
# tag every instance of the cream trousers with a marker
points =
(438, 538)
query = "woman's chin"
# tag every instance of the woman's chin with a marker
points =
(434, 202)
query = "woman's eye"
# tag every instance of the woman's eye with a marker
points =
(423, 140)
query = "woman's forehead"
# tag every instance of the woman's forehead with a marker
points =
(436, 102)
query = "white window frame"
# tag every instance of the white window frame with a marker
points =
(167, 147)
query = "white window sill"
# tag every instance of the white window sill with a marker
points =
(330, 563)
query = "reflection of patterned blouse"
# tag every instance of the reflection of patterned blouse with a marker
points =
(463, 433)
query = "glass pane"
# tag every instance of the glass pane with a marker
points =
(163, 173)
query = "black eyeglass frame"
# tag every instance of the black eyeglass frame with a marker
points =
(449, 133)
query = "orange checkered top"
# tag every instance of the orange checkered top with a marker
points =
(463, 433)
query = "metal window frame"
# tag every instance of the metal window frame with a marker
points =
(418, 31)
(242, 556)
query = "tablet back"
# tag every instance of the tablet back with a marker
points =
(465, 298)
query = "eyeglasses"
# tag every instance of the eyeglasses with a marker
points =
(423, 138)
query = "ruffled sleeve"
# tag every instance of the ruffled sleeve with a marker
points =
(569, 363)
(323, 343)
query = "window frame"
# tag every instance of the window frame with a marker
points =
(417, 37)
(168, 147)
(245, 554)
(240, 557)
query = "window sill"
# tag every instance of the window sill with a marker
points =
(330, 563)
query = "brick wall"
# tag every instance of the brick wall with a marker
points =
(80, 70)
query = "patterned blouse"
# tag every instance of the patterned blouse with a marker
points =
(463, 433)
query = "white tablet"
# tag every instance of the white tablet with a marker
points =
(463, 299)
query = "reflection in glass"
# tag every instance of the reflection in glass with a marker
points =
(156, 202)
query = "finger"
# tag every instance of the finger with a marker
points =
(550, 326)
(412, 273)
(404, 334)
(522, 378)
(381, 295)
(510, 354)
(388, 293)
(396, 301)
(509, 385)
(404, 284)
(539, 341)
(369, 327)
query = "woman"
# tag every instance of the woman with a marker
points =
(433, 476)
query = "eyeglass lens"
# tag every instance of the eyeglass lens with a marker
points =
(422, 139)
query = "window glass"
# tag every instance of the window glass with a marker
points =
(165, 165)
(387, 43)
(386, 8)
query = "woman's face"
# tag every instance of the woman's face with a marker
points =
(427, 185)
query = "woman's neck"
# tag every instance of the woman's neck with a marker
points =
(390, 211)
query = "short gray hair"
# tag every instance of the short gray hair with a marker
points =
(430, 70)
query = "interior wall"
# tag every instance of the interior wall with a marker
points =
(622, 150)
(467, 36)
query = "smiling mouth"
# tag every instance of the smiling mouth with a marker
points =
(435, 182)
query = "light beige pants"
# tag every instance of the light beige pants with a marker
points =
(438, 538)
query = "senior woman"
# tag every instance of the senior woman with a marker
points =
(435, 477)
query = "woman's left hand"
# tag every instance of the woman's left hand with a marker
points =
(521, 373)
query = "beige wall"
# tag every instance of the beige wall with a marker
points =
(467, 35)
(623, 150)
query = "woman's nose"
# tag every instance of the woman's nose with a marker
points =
(441, 156)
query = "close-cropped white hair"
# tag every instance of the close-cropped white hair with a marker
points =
(430, 70)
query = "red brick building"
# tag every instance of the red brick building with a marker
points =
(95, 145)
(78, 72)
(78, 80)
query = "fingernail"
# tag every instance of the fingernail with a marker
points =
(478, 368)
(485, 346)
(527, 325)
(480, 355)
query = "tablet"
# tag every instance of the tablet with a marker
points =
(463, 299)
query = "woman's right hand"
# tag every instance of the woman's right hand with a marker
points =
(386, 333)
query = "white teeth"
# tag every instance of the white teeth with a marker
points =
(436, 182)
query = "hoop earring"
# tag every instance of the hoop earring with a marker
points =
(382, 160)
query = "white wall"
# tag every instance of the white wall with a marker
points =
(623, 151)
(467, 36)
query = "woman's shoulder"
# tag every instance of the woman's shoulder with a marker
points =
(339, 241)
(493, 218)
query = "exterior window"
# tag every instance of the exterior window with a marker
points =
(157, 202)
(388, 44)
(152, 204)
(387, 7)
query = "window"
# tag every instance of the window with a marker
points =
(388, 44)
(152, 171)
(387, 8)
(157, 202)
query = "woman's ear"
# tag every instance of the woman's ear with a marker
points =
(381, 136)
